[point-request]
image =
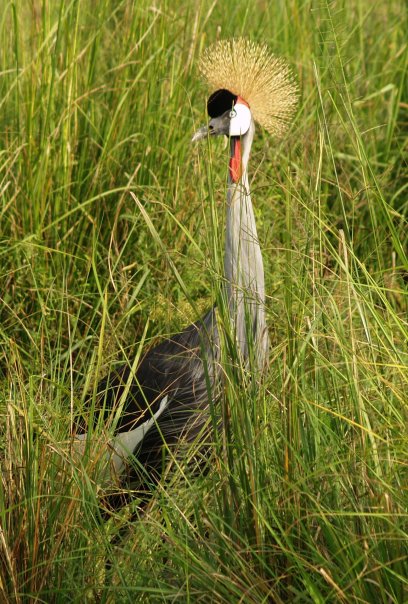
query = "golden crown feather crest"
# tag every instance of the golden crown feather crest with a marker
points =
(253, 72)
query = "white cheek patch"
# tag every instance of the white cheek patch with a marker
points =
(240, 120)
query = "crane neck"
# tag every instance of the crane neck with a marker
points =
(243, 262)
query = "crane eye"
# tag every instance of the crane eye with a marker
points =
(232, 113)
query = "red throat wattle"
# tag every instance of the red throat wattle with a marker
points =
(235, 167)
(235, 163)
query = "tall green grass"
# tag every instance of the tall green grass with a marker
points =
(111, 237)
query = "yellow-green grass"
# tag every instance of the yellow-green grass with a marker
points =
(111, 237)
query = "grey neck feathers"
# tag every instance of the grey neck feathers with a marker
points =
(243, 266)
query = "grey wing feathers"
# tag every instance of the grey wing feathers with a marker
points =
(168, 398)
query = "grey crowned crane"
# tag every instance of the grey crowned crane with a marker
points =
(165, 402)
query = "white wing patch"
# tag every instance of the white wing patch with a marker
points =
(124, 443)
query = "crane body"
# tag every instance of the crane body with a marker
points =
(165, 404)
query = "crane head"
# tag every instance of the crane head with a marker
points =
(230, 116)
(244, 69)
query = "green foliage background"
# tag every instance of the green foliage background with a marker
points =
(307, 500)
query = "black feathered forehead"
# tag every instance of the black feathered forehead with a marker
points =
(220, 101)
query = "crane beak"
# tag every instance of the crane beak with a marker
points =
(217, 126)
(201, 133)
